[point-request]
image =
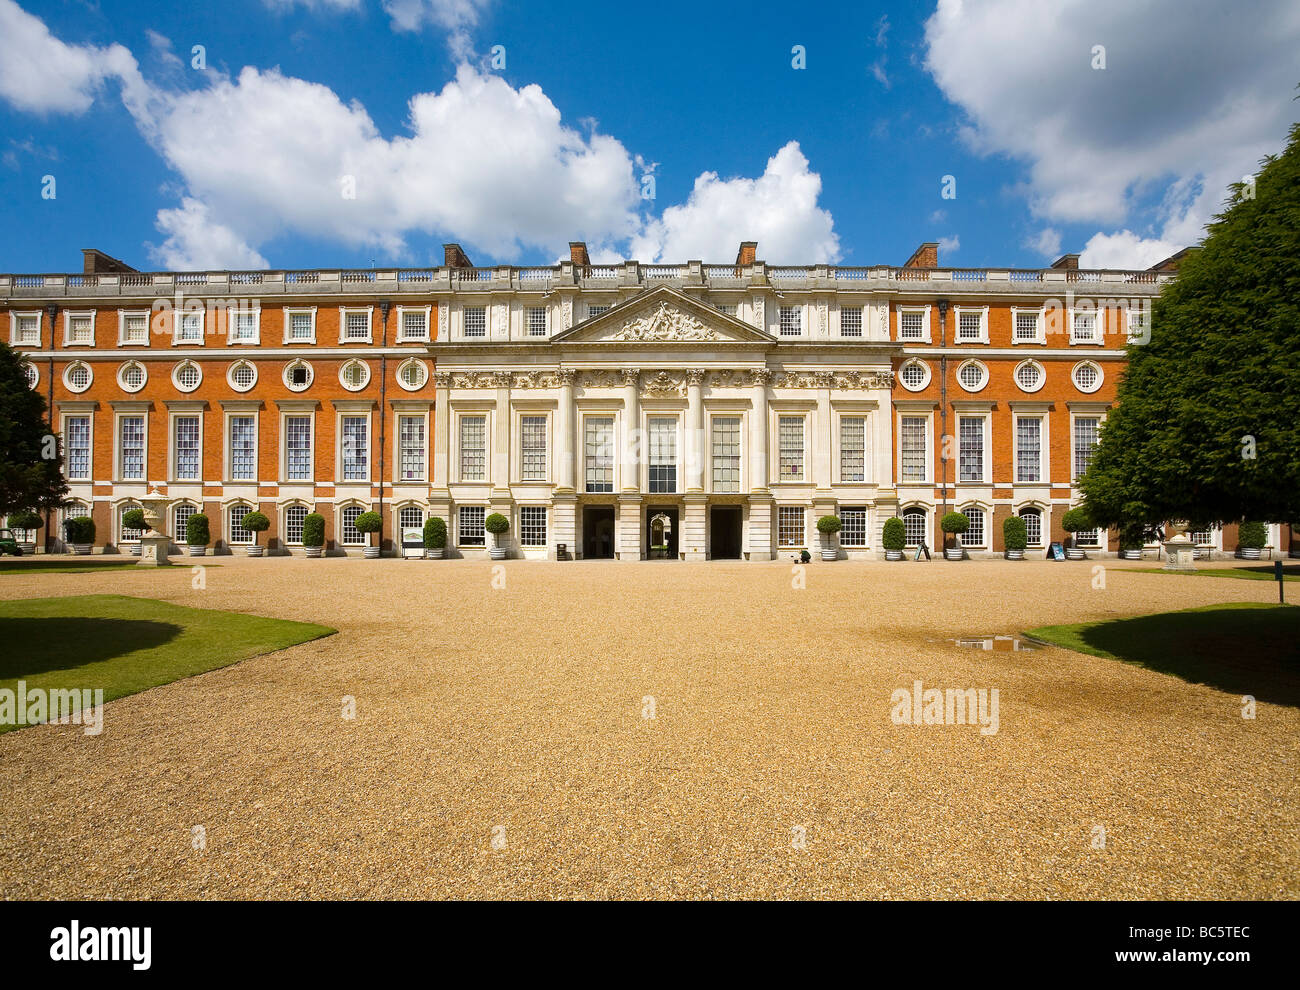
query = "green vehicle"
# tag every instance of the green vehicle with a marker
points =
(9, 543)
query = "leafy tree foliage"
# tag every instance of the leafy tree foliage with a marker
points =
(31, 474)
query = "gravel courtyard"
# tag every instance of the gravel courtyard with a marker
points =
(501, 746)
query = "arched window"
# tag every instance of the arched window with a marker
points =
(914, 526)
(348, 518)
(181, 513)
(411, 517)
(974, 535)
(125, 534)
(293, 519)
(1033, 525)
(235, 532)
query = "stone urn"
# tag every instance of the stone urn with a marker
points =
(153, 544)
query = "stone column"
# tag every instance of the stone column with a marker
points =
(823, 436)
(564, 503)
(695, 445)
(760, 498)
(630, 455)
(439, 495)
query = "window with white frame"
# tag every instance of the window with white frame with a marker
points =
(354, 448)
(185, 448)
(1083, 327)
(536, 321)
(596, 310)
(76, 448)
(598, 453)
(415, 325)
(355, 375)
(1087, 430)
(972, 376)
(130, 448)
(912, 448)
(470, 526)
(475, 321)
(1033, 526)
(235, 532)
(851, 321)
(242, 376)
(789, 431)
(189, 329)
(297, 448)
(914, 527)
(789, 525)
(412, 374)
(80, 328)
(1029, 376)
(726, 454)
(410, 455)
(791, 321)
(1091, 538)
(1029, 449)
(302, 324)
(970, 324)
(915, 375)
(298, 375)
(243, 448)
(853, 533)
(970, 448)
(351, 536)
(473, 448)
(410, 517)
(356, 324)
(31, 373)
(663, 453)
(1138, 320)
(294, 517)
(911, 324)
(131, 376)
(1087, 376)
(853, 448)
(135, 328)
(532, 448)
(127, 533)
(25, 329)
(1200, 537)
(243, 326)
(974, 535)
(181, 513)
(532, 525)
(1027, 327)
(78, 376)
(187, 376)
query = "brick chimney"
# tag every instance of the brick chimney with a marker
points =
(747, 253)
(454, 257)
(1070, 262)
(578, 254)
(926, 256)
(98, 263)
(1171, 263)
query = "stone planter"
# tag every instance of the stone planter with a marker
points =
(893, 554)
(1074, 553)
(830, 553)
(197, 551)
(1248, 553)
(27, 549)
(370, 553)
(256, 551)
(434, 553)
(81, 549)
(134, 549)
(497, 553)
(313, 552)
(1015, 554)
(1130, 554)
(953, 553)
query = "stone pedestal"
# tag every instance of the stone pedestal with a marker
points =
(153, 544)
(153, 551)
(1181, 554)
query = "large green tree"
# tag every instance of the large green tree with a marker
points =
(30, 464)
(1208, 421)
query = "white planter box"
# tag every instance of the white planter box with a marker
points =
(1015, 554)
(952, 553)
(255, 551)
(312, 552)
(370, 553)
(198, 551)
(1130, 555)
(830, 553)
(893, 554)
(435, 553)
(1074, 553)
(497, 553)
(1248, 553)
(81, 549)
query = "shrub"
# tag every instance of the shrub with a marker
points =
(255, 522)
(829, 524)
(435, 533)
(79, 529)
(368, 522)
(954, 522)
(894, 534)
(1015, 535)
(1132, 536)
(133, 519)
(196, 530)
(496, 524)
(313, 530)
(27, 519)
(1252, 535)
(1076, 520)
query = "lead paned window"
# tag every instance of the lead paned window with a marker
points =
(791, 321)
(356, 448)
(244, 327)
(81, 329)
(663, 454)
(726, 454)
(185, 454)
(415, 325)
(76, 449)
(1029, 449)
(475, 321)
(598, 453)
(243, 444)
(912, 452)
(537, 321)
(1026, 326)
(970, 326)
(356, 326)
(410, 432)
(135, 328)
(853, 448)
(790, 447)
(532, 441)
(130, 446)
(1086, 430)
(911, 326)
(473, 448)
(27, 329)
(970, 448)
(1084, 328)
(851, 322)
(191, 328)
(297, 448)
(301, 326)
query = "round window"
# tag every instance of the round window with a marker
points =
(972, 375)
(915, 375)
(412, 375)
(242, 376)
(33, 374)
(78, 377)
(298, 375)
(1087, 376)
(131, 376)
(187, 376)
(354, 375)
(1029, 376)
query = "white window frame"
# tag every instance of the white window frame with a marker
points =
(917, 362)
(862, 322)
(123, 315)
(362, 538)
(545, 417)
(399, 478)
(487, 322)
(67, 370)
(986, 447)
(1040, 333)
(984, 379)
(798, 310)
(781, 414)
(610, 452)
(426, 311)
(118, 476)
(678, 451)
(285, 416)
(1101, 376)
(345, 312)
(409, 363)
(230, 375)
(121, 376)
(927, 453)
(354, 362)
(460, 418)
(1044, 525)
(289, 313)
(1098, 330)
(741, 440)
(15, 333)
(233, 313)
(1044, 449)
(546, 526)
(228, 452)
(986, 524)
(528, 321)
(982, 312)
(840, 417)
(227, 530)
(89, 417)
(340, 416)
(68, 316)
(1074, 438)
(1042, 376)
(172, 459)
(803, 526)
(927, 517)
(284, 522)
(1129, 313)
(460, 527)
(298, 363)
(176, 371)
(178, 323)
(846, 539)
(925, 324)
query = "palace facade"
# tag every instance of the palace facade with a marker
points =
(628, 410)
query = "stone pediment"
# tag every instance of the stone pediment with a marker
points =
(663, 316)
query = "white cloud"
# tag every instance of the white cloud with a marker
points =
(949, 245)
(1194, 93)
(456, 17)
(1046, 242)
(1126, 250)
(196, 242)
(778, 209)
(314, 4)
(41, 74)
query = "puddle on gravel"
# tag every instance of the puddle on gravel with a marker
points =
(995, 644)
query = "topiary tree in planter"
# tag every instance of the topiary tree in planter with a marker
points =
(1015, 537)
(313, 534)
(435, 537)
(79, 531)
(369, 522)
(197, 535)
(828, 526)
(1076, 520)
(30, 522)
(953, 524)
(893, 537)
(134, 519)
(1251, 537)
(255, 522)
(497, 525)
(1132, 537)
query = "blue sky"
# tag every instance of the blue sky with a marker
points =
(243, 162)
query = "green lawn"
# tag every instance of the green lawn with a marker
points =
(1242, 647)
(1254, 572)
(125, 645)
(63, 565)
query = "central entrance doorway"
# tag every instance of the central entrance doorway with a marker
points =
(597, 532)
(661, 532)
(724, 532)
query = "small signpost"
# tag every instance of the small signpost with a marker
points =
(1277, 573)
